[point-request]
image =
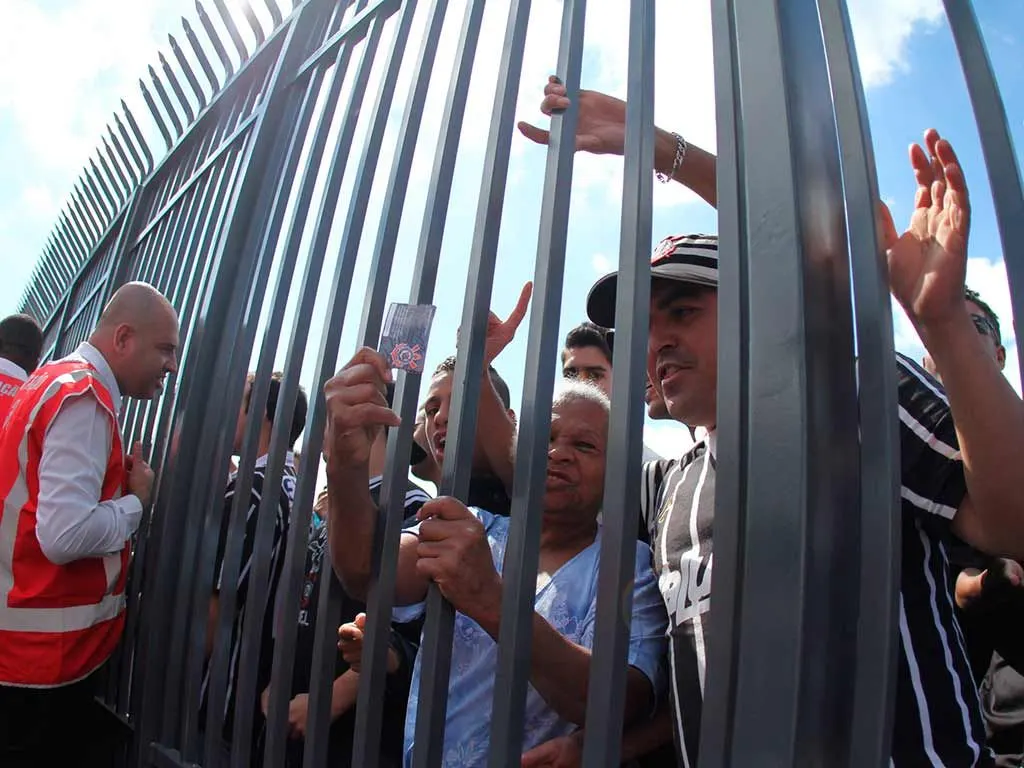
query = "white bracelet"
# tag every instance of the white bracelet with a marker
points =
(681, 147)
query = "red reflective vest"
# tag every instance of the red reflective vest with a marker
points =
(58, 623)
(9, 386)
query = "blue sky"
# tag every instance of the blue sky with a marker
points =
(66, 64)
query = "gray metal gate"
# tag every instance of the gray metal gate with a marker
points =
(255, 217)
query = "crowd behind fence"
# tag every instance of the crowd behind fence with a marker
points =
(252, 224)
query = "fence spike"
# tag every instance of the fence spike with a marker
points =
(165, 100)
(275, 12)
(100, 178)
(138, 137)
(201, 57)
(232, 28)
(92, 194)
(68, 234)
(157, 117)
(186, 69)
(250, 15)
(118, 171)
(81, 206)
(113, 179)
(126, 164)
(172, 79)
(218, 46)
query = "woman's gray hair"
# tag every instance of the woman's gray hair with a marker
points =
(573, 391)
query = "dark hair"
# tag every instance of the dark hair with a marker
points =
(447, 366)
(586, 334)
(301, 403)
(21, 341)
(974, 298)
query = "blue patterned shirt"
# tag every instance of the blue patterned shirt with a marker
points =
(569, 603)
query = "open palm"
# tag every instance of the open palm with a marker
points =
(928, 263)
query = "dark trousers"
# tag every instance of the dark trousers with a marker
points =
(50, 727)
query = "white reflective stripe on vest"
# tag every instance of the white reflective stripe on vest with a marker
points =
(60, 620)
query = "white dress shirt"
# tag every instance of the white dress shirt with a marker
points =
(71, 522)
(15, 371)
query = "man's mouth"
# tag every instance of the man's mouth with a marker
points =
(668, 370)
(560, 478)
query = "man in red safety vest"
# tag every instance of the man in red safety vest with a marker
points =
(71, 500)
(21, 344)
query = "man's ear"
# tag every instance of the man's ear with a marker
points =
(122, 335)
(512, 417)
(1001, 356)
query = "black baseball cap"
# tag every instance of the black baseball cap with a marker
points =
(686, 258)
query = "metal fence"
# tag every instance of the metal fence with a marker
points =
(252, 224)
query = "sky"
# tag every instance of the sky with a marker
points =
(65, 65)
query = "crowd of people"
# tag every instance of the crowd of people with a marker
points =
(73, 498)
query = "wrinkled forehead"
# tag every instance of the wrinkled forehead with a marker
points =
(579, 417)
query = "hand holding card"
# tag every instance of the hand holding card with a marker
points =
(406, 332)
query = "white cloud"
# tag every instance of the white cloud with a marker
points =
(882, 30)
(669, 439)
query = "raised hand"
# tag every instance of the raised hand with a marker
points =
(501, 332)
(928, 262)
(357, 409)
(350, 642)
(600, 127)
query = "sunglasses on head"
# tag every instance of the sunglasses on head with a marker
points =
(985, 326)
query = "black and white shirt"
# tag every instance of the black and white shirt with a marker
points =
(937, 716)
(268, 592)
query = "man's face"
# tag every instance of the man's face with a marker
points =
(682, 352)
(656, 408)
(147, 353)
(590, 365)
(437, 410)
(576, 458)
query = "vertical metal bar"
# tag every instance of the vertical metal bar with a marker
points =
(157, 117)
(103, 215)
(254, 23)
(797, 355)
(91, 211)
(522, 552)
(232, 29)
(186, 69)
(254, 615)
(275, 12)
(101, 180)
(607, 687)
(68, 236)
(438, 629)
(89, 229)
(166, 101)
(204, 62)
(996, 146)
(877, 645)
(218, 46)
(118, 181)
(143, 146)
(369, 709)
(172, 79)
(220, 313)
(125, 162)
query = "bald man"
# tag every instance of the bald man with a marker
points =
(71, 500)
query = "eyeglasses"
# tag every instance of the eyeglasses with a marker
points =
(985, 327)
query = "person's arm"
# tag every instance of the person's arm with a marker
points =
(560, 670)
(71, 522)
(640, 739)
(344, 693)
(601, 130)
(356, 412)
(927, 265)
(496, 431)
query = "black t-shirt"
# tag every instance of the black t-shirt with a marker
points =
(937, 709)
(488, 492)
(404, 639)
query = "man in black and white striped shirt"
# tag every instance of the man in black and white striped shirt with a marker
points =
(267, 593)
(956, 478)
